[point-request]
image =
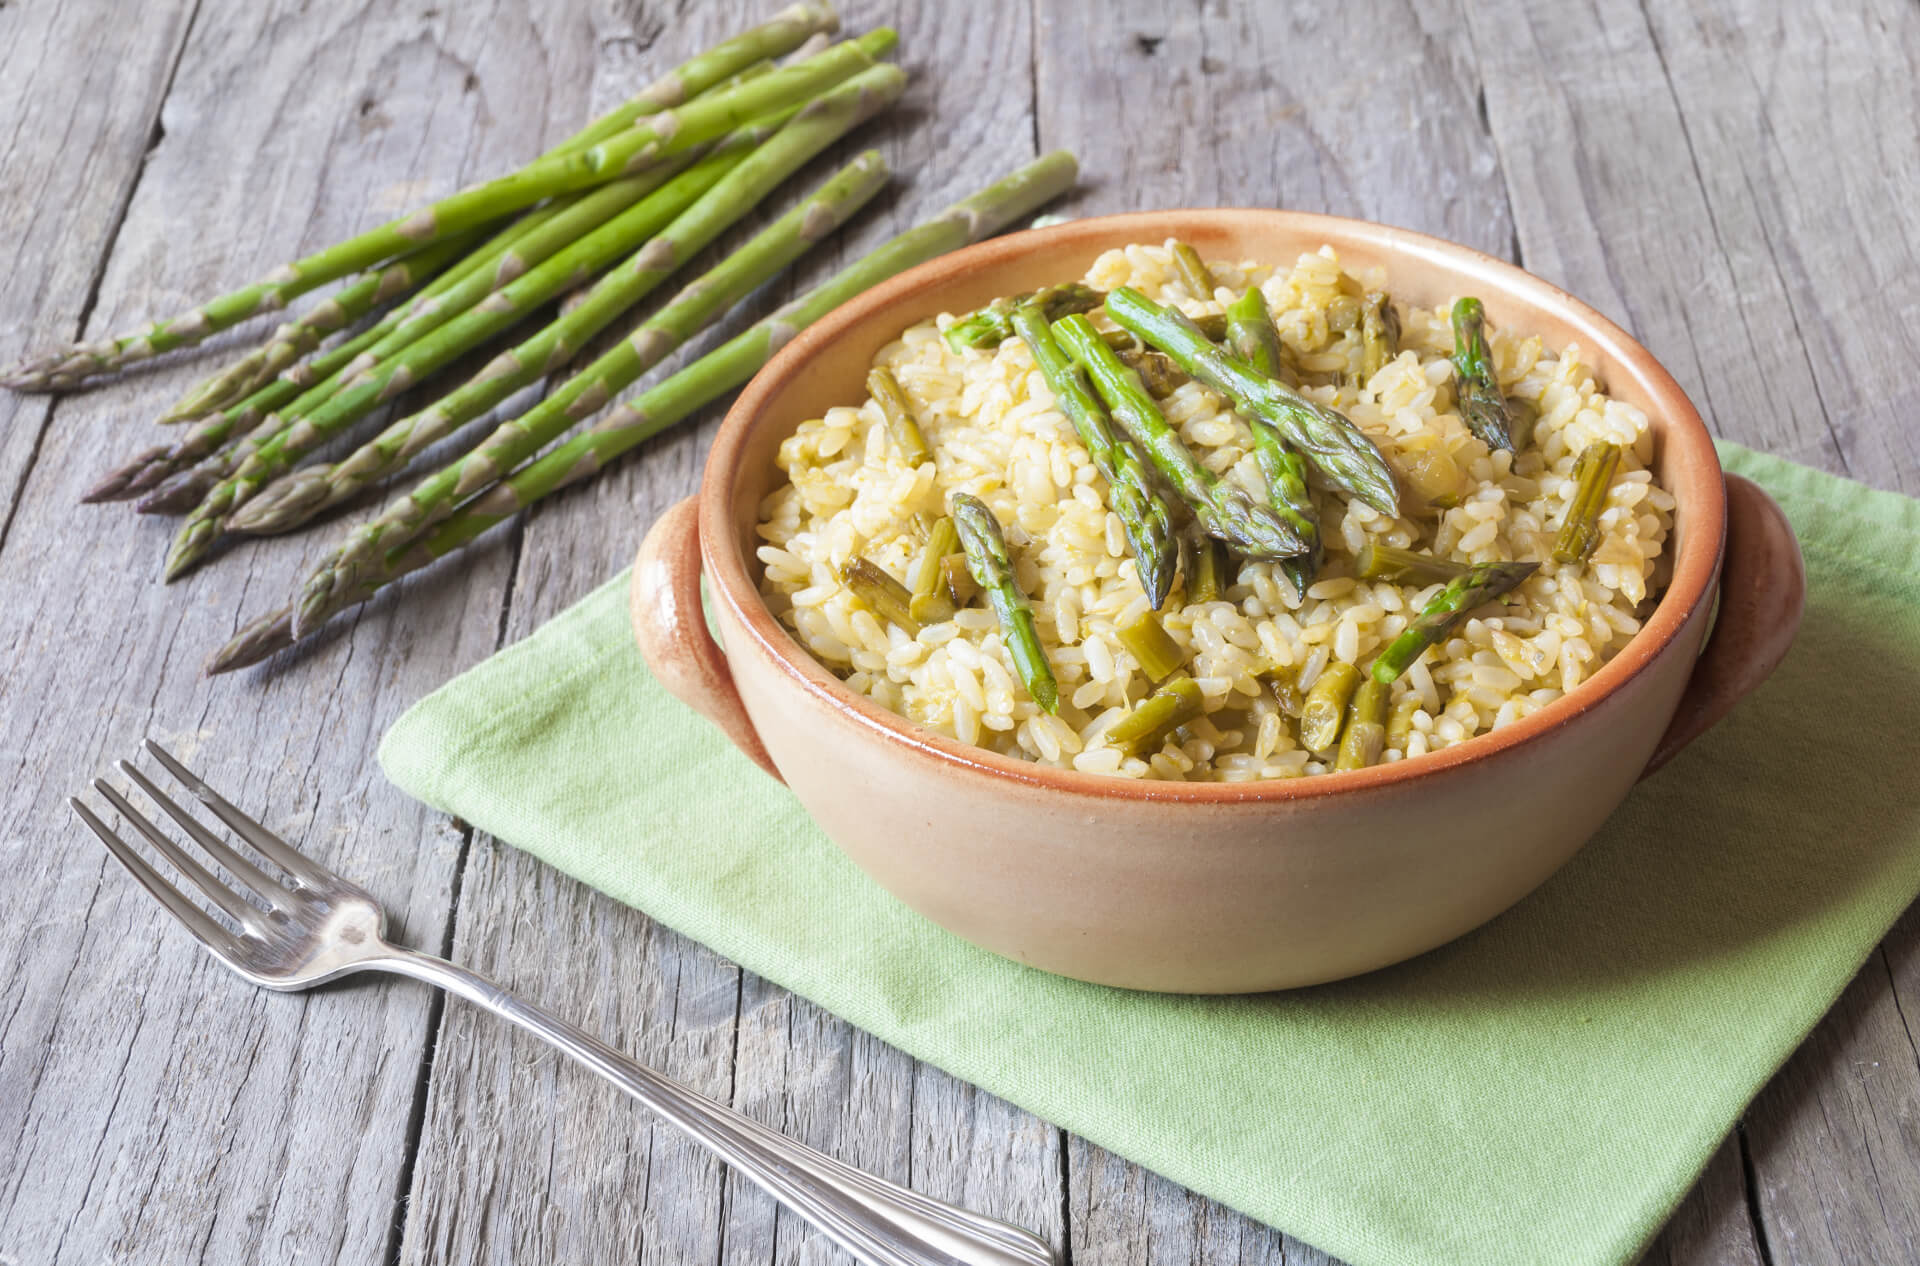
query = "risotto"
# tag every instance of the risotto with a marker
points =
(1252, 651)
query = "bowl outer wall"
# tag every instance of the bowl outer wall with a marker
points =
(1220, 887)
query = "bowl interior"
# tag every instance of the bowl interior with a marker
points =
(826, 366)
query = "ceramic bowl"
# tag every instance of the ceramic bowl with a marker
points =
(1219, 887)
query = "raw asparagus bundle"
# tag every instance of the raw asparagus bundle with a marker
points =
(992, 568)
(586, 392)
(1446, 611)
(1145, 515)
(1346, 458)
(672, 400)
(1224, 511)
(615, 149)
(824, 120)
(1477, 386)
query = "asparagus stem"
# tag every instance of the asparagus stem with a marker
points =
(299, 496)
(1446, 611)
(1592, 481)
(1157, 716)
(931, 603)
(993, 325)
(1224, 511)
(1192, 271)
(992, 568)
(822, 121)
(1252, 337)
(616, 149)
(1210, 564)
(887, 597)
(1379, 334)
(1145, 515)
(672, 400)
(1148, 641)
(1158, 374)
(1365, 735)
(902, 429)
(959, 581)
(296, 338)
(1403, 566)
(1400, 721)
(1346, 458)
(1477, 386)
(1284, 681)
(1326, 705)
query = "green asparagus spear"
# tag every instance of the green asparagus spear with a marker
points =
(875, 586)
(1209, 571)
(931, 602)
(993, 325)
(1346, 458)
(301, 494)
(1379, 334)
(1284, 681)
(626, 151)
(992, 568)
(1224, 511)
(1192, 271)
(1252, 337)
(1482, 406)
(296, 338)
(1365, 735)
(1592, 482)
(1147, 640)
(1404, 566)
(1157, 716)
(821, 121)
(1326, 705)
(336, 585)
(902, 429)
(1145, 516)
(1446, 611)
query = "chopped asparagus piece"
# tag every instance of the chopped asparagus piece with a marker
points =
(1192, 271)
(1148, 641)
(1209, 567)
(1475, 383)
(1365, 736)
(1433, 476)
(1284, 681)
(993, 325)
(931, 604)
(1379, 334)
(1326, 705)
(1593, 480)
(876, 587)
(1158, 373)
(1400, 721)
(1403, 566)
(992, 568)
(1447, 611)
(959, 581)
(902, 429)
(1158, 715)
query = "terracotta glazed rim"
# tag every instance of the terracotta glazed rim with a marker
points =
(1690, 469)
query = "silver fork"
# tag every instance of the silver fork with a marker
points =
(315, 926)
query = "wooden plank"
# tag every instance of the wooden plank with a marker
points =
(789, 1064)
(153, 1108)
(80, 89)
(1754, 292)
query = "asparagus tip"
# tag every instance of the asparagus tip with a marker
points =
(255, 642)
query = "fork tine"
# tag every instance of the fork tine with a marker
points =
(218, 893)
(264, 886)
(209, 933)
(293, 861)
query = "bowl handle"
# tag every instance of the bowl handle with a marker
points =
(671, 628)
(1763, 588)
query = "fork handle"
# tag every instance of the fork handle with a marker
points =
(880, 1223)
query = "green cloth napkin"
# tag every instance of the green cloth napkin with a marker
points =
(1545, 1089)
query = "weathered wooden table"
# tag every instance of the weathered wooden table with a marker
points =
(1735, 182)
